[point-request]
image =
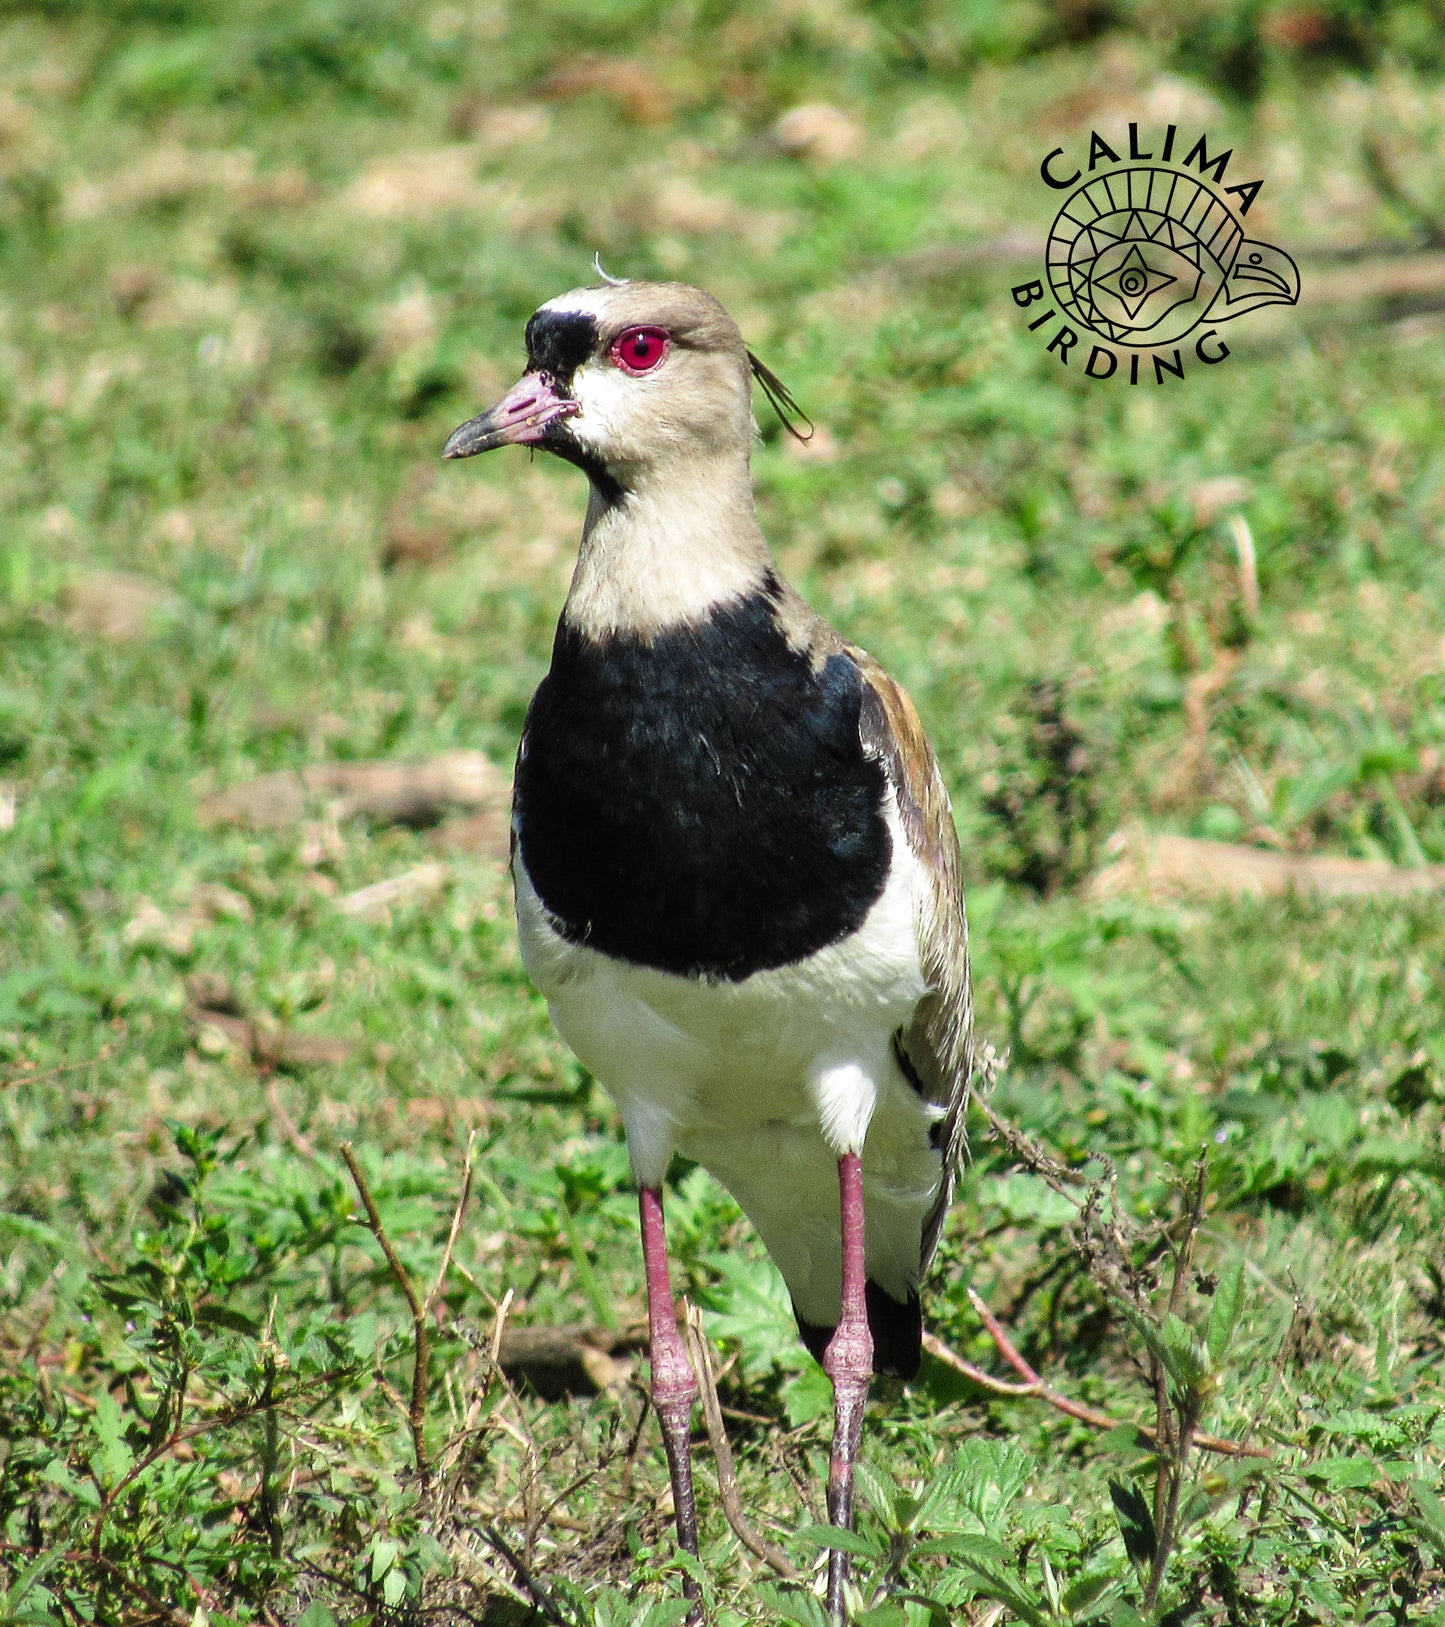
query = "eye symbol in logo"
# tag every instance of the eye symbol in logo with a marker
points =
(1135, 280)
(1142, 256)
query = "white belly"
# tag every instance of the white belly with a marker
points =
(766, 1081)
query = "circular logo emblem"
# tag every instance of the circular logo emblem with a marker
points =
(1141, 256)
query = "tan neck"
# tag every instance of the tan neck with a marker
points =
(673, 547)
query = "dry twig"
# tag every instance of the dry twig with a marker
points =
(1107, 1254)
(24, 1078)
(1058, 1176)
(1034, 1384)
(288, 1126)
(1248, 563)
(1179, 1415)
(522, 1571)
(1163, 865)
(1379, 166)
(420, 1308)
(458, 1214)
(416, 794)
(727, 1480)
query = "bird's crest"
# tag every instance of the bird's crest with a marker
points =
(612, 282)
(780, 398)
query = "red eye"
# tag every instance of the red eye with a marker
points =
(639, 350)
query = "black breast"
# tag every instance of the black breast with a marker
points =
(701, 802)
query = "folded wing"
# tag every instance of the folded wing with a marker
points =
(937, 1045)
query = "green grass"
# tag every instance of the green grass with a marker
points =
(255, 262)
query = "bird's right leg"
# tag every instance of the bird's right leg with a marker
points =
(674, 1385)
(848, 1361)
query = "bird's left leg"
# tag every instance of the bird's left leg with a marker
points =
(848, 1361)
(674, 1385)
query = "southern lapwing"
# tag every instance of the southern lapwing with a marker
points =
(736, 870)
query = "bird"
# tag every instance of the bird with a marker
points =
(736, 871)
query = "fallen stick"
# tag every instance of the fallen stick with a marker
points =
(416, 794)
(102, 1055)
(416, 1408)
(727, 1481)
(1165, 865)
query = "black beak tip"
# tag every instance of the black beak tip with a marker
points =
(462, 442)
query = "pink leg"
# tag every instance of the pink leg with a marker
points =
(848, 1361)
(674, 1387)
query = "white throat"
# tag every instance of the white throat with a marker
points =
(681, 542)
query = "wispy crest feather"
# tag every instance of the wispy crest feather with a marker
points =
(780, 398)
(612, 282)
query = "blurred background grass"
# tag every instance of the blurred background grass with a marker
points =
(255, 261)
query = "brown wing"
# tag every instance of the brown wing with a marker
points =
(937, 1045)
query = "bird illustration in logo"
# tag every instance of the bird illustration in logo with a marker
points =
(1143, 256)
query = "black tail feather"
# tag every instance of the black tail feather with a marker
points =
(896, 1326)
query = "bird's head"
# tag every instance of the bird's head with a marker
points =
(622, 381)
(1261, 275)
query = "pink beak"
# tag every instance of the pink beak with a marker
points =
(520, 418)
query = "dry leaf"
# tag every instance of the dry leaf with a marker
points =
(116, 605)
(569, 1360)
(479, 118)
(132, 286)
(213, 902)
(267, 1045)
(409, 323)
(820, 132)
(487, 835)
(427, 1112)
(1394, 277)
(1210, 498)
(676, 204)
(407, 543)
(415, 186)
(640, 95)
(169, 174)
(213, 992)
(942, 262)
(151, 926)
(319, 725)
(175, 930)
